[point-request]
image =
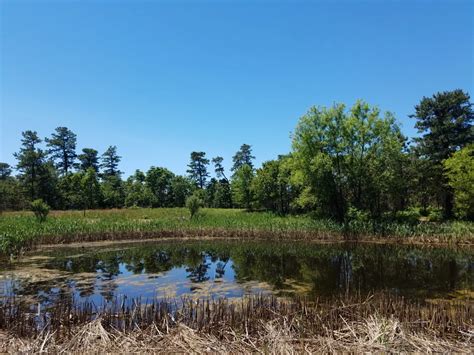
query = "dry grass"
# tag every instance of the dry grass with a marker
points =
(375, 334)
(381, 323)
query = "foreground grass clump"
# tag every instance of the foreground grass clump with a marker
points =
(20, 230)
(261, 323)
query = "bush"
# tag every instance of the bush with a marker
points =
(435, 215)
(193, 203)
(409, 216)
(40, 209)
(357, 220)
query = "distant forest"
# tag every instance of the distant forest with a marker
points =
(344, 163)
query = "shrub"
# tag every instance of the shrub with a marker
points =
(40, 209)
(410, 216)
(435, 215)
(193, 203)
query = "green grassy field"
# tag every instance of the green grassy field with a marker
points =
(20, 230)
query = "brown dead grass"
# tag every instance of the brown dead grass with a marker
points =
(374, 334)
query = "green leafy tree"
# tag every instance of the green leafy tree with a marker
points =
(242, 157)
(459, 170)
(88, 159)
(159, 180)
(62, 149)
(445, 122)
(11, 194)
(137, 192)
(342, 159)
(112, 191)
(70, 189)
(110, 162)
(222, 194)
(91, 188)
(198, 168)
(272, 186)
(241, 185)
(182, 188)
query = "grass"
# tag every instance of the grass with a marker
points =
(20, 230)
(381, 322)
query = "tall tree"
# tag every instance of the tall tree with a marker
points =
(242, 187)
(137, 193)
(91, 188)
(110, 161)
(31, 160)
(88, 159)
(459, 170)
(182, 188)
(445, 122)
(198, 168)
(218, 167)
(342, 159)
(62, 149)
(223, 195)
(159, 180)
(243, 157)
(272, 186)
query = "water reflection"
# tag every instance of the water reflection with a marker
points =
(235, 269)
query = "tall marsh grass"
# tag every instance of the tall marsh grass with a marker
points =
(20, 230)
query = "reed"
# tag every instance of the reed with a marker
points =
(259, 323)
(20, 231)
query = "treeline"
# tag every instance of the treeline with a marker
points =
(345, 163)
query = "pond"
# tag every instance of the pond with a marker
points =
(201, 269)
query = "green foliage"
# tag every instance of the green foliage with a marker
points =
(159, 181)
(40, 209)
(435, 215)
(219, 168)
(110, 161)
(445, 120)
(62, 149)
(198, 168)
(182, 187)
(345, 159)
(242, 157)
(459, 170)
(18, 231)
(31, 161)
(346, 164)
(272, 186)
(5, 171)
(89, 159)
(222, 195)
(409, 216)
(90, 188)
(112, 191)
(138, 194)
(194, 203)
(241, 185)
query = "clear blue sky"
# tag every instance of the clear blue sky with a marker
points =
(161, 79)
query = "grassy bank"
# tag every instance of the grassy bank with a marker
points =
(20, 230)
(258, 324)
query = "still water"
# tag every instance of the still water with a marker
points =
(233, 269)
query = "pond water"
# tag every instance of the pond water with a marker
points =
(233, 269)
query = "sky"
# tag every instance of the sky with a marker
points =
(160, 79)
